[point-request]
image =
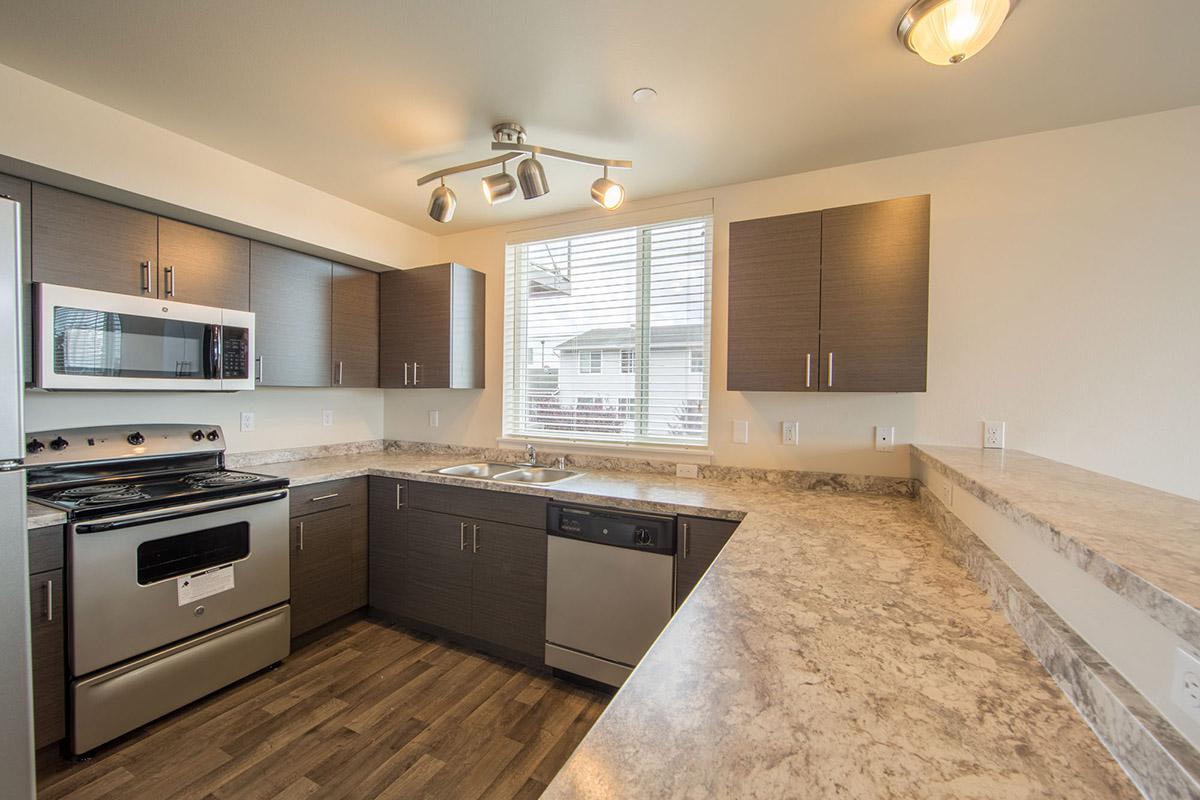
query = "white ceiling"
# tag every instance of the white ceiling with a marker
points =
(361, 97)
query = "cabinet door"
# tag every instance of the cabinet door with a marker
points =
(467, 290)
(774, 303)
(89, 243)
(22, 191)
(386, 553)
(508, 598)
(414, 328)
(202, 266)
(437, 570)
(700, 540)
(49, 661)
(875, 296)
(291, 298)
(355, 327)
(321, 568)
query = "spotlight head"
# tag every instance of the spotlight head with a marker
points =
(442, 203)
(500, 187)
(608, 194)
(532, 178)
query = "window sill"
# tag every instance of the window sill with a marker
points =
(686, 455)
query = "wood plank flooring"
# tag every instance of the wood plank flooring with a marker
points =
(369, 711)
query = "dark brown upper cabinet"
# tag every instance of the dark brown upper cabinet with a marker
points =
(291, 297)
(872, 290)
(431, 328)
(92, 244)
(875, 296)
(774, 303)
(202, 266)
(355, 327)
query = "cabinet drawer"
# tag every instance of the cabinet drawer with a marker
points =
(514, 509)
(45, 549)
(331, 494)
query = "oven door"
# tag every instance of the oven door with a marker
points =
(100, 340)
(144, 580)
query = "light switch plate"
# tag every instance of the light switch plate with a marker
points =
(885, 438)
(247, 421)
(993, 435)
(327, 417)
(687, 470)
(791, 433)
(741, 431)
(433, 419)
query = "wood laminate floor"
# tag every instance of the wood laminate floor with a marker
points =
(368, 711)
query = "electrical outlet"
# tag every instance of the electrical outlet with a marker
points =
(433, 419)
(327, 417)
(687, 470)
(247, 421)
(885, 438)
(741, 431)
(791, 433)
(993, 435)
(1185, 687)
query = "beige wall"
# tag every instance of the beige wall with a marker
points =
(1065, 272)
(51, 127)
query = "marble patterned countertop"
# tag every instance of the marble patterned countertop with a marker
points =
(1142, 543)
(830, 651)
(39, 516)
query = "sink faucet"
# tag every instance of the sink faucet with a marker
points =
(531, 455)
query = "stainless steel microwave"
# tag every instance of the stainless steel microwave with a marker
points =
(100, 340)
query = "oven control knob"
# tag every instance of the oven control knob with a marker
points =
(35, 446)
(136, 439)
(213, 436)
(58, 443)
(197, 436)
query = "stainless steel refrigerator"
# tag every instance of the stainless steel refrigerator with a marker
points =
(16, 693)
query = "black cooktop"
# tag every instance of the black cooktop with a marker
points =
(124, 493)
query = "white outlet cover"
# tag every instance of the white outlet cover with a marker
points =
(247, 421)
(1185, 686)
(993, 435)
(433, 419)
(741, 431)
(791, 432)
(885, 438)
(327, 417)
(687, 470)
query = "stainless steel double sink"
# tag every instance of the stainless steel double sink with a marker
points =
(509, 473)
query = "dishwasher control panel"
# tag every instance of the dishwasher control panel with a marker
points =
(652, 533)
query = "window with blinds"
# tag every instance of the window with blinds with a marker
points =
(607, 335)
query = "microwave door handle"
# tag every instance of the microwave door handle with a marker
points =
(214, 353)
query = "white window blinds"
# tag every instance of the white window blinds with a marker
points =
(607, 335)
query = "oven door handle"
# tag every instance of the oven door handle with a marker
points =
(178, 512)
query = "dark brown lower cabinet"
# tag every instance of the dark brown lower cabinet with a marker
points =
(385, 559)
(699, 542)
(478, 578)
(328, 565)
(49, 661)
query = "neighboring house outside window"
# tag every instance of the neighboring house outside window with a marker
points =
(627, 361)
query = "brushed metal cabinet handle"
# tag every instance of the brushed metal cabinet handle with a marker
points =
(406, 373)
(808, 370)
(399, 486)
(339, 374)
(684, 527)
(319, 498)
(146, 277)
(831, 369)
(300, 542)
(462, 536)
(50, 601)
(258, 363)
(474, 538)
(416, 380)
(169, 273)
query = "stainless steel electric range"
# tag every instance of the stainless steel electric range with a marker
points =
(177, 569)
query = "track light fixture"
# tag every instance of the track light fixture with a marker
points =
(607, 194)
(500, 187)
(442, 203)
(509, 140)
(532, 178)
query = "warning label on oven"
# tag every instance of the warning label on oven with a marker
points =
(199, 585)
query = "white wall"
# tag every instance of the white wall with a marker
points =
(1064, 277)
(54, 128)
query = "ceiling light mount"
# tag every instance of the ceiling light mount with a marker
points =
(509, 139)
(945, 32)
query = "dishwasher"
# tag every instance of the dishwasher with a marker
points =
(610, 585)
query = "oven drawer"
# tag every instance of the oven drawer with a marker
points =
(120, 699)
(316, 497)
(136, 588)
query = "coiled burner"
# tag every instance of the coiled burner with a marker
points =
(77, 492)
(216, 479)
(123, 495)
